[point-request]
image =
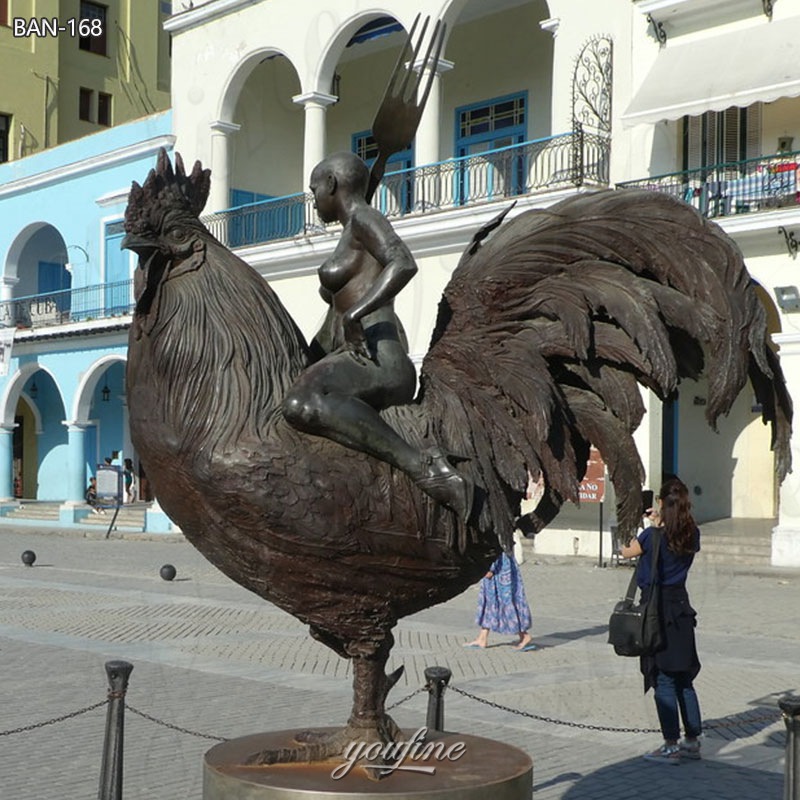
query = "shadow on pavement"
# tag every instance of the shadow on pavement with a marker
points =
(692, 780)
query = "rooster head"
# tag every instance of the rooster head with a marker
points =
(163, 226)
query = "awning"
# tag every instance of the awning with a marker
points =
(734, 69)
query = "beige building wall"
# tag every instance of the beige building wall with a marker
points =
(42, 75)
(29, 82)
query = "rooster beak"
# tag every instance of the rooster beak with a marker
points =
(132, 241)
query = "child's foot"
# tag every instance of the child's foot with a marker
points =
(524, 641)
(476, 643)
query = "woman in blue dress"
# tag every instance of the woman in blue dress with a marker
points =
(502, 605)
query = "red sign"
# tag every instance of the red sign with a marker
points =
(593, 485)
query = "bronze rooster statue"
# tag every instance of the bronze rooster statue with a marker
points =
(542, 334)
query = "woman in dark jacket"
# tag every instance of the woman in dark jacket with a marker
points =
(671, 671)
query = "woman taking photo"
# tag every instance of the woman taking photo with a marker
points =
(671, 671)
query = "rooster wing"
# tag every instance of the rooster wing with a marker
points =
(544, 331)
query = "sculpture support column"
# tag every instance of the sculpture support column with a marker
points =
(219, 195)
(315, 105)
(7, 462)
(786, 534)
(426, 143)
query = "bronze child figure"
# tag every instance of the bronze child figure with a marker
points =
(363, 364)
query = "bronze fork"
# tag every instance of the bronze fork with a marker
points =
(398, 116)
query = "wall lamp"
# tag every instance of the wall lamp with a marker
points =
(788, 298)
(106, 393)
(33, 390)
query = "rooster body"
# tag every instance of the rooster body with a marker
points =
(541, 337)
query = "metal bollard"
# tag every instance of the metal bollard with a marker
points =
(436, 679)
(790, 706)
(111, 771)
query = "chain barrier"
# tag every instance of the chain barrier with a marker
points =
(583, 725)
(406, 698)
(55, 720)
(771, 718)
(172, 727)
(734, 723)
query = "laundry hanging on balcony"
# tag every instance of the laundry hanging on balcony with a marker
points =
(760, 63)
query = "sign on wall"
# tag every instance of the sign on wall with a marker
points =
(593, 486)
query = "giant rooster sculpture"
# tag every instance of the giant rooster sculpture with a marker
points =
(543, 331)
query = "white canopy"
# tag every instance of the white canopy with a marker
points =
(734, 69)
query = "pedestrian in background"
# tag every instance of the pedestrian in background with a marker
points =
(127, 474)
(503, 606)
(671, 671)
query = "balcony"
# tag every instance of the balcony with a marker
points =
(85, 304)
(570, 159)
(741, 187)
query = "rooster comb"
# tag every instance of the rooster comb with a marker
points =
(166, 189)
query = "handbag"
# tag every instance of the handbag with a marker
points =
(636, 629)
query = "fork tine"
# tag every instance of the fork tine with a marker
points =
(437, 37)
(409, 70)
(401, 59)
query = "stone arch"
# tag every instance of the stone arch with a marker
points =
(82, 401)
(13, 391)
(323, 72)
(37, 242)
(232, 87)
(774, 324)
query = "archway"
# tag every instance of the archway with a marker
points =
(36, 271)
(33, 413)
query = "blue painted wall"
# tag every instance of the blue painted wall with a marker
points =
(68, 202)
(71, 205)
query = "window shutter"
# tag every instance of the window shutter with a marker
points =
(694, 143)
(753, 133)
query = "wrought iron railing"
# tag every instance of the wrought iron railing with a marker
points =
(264, 221)
(738, 187)
(569, 159)
(101, 301)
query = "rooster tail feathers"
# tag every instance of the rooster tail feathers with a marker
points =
(546, 327)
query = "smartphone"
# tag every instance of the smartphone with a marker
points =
(647, 502)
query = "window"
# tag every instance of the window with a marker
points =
(5, 130)
(103, 108)
(395, 194)
(94, 43)
(85, 104)
(484, 128)
(117, 271)
(722, 137)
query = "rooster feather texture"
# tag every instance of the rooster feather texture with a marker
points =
(543, 334)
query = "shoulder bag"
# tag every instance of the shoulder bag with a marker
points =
(636, 629)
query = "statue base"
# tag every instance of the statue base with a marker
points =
(452, 766)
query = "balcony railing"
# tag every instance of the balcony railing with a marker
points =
(569, 159)
(740, 187)
(101, 301)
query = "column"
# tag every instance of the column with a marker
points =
(426, 144)
(315, 105)
(786, 535)
(75, 483)
(7, 462)
(219, 195)
(7, 287)
(7, 311)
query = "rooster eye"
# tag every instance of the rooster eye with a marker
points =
(178, 233)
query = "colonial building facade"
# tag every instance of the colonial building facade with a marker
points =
(531, 100)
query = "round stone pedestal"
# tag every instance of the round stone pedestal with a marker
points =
(456, 767)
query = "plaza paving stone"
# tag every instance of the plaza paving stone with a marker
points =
(215, 660)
